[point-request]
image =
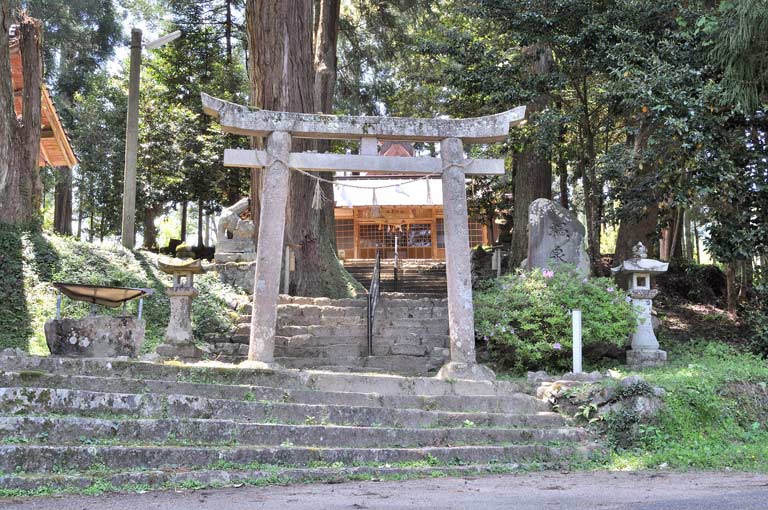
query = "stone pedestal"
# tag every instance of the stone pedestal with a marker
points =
(463, 364)
(98, 336)
(645, 346)
(179, 339)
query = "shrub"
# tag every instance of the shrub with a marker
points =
(525, 317)
(756, 313)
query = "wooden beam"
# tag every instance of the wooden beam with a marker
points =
(241, 120)
(315, 162)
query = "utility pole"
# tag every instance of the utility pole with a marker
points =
(132, 134)
(131, 144)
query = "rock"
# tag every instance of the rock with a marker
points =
(644, 407)
(555, 236)
(539, 376)
(13, 352)
(631, 380)
(151, 357)
(99, 336)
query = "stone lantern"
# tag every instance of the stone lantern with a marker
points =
(179, 341)
(645, 350)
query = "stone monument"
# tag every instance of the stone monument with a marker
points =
(645, 347)
(235, 250)
(555, 236)
(179, 340)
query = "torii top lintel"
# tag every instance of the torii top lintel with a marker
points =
(242, 120)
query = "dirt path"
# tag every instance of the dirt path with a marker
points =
(537, 491)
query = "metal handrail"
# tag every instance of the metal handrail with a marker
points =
(373, 299)
(397, 259)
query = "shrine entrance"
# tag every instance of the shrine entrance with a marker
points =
(451, 166)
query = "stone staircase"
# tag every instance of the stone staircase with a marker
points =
(100, 424)
(421, 277)
(410, 335)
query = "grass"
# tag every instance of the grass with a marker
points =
(715, 414)
(30, 261)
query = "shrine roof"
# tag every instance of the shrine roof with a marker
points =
(55, 147)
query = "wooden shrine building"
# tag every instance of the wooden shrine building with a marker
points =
(408, 214)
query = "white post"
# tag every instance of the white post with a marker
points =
(269, 251)
(576, 316)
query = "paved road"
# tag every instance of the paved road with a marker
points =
(539, 491)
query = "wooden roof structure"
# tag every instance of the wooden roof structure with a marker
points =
(55, 147)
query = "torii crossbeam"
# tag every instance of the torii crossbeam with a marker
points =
(452, 166)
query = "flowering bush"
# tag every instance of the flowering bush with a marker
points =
(525, 317)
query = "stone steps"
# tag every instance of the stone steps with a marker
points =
(47, 459)
(32, 367)
(83, 431)
(67, 422)
(18, 401)
(236, 476)
(479, 403)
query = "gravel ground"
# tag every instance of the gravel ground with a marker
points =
(648, 490)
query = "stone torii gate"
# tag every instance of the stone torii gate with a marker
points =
(280, 127)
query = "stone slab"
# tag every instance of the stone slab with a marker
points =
(95, 336)
(555, 236)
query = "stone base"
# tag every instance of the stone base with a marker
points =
(238, 274)
(646, 358)
(181, 351)
(99, 336)
(471, 371)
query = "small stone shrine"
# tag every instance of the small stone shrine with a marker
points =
(179, 341)
(555, 236)
(645, 350)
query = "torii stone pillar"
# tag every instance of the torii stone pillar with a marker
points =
(269, 250)
(463, 364)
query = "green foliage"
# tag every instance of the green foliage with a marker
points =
(757, 313)
(526, 321)
(714, 413)
(34, 260)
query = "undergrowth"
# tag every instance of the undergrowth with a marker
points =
(30, 261)
(715, 413)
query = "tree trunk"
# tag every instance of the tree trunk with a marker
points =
(532, 170)
(562, 170)
(62, 208)
(730, 286)
(200, 215)
(183, 232)
(20, 184)
(150, 232)
(640, 228)
(688, 236)
(283, 78)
